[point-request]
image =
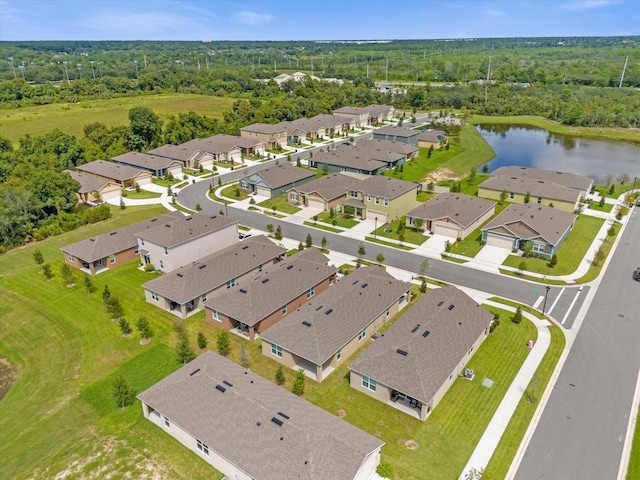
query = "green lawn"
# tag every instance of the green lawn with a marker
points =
(72, 117)
(417, 169)
(142, 194)
(281, 204)
(607, 207)
(391, 231)
(341, 220)
(570, 253)
(617, 190)
(633, 471)
(594, 270)
(234, 191)
(389, 244)
(321, 226)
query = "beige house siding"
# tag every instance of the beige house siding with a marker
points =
(270, 140)
(397, 206)
(426, 144)
(519, 198)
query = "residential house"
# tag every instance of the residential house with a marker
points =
(397, 134)
(332, 125)
(544, 227)
(273, 136)
(407, 150)
(347, 158)
(122, 175)
(157, 166)
(324, 193)
(102, 252)
(180, 241)
(274, 181)
(332, 326)
(250, 428)
(455, 215)
(383, 198)
(184, 291)
(252, 306)
(434, 139)
(561, 190)
(419, 357)
(93, 188)
(359, 114)
(381, 113)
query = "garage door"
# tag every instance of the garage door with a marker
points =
(109, 194)
(176, 171)
(501, 242)
(143, 180)
(447, 230)
(382, 217)
(316, 203)
(206, 163)
(265, 192)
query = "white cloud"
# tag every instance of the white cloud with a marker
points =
(588, 4)
(252, 18)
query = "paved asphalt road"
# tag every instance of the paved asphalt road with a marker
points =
(583, 427)
(509, 287)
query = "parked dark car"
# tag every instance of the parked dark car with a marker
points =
(636, 274)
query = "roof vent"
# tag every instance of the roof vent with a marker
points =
(318, 308)
(228, 384)
(92, 239)
(415, 329)
(180, 275)
(113, 233)
(306, 324)
(328, 311)
(194, 372)
(451, 307)
(426, 333)
(284, 415)
(245, 247)
(289, 267)
(154, 219)
(242, 290)
(355, 282)
(213, 216)
(265, 280)
(440, 304)
(221, 388)
(167, 225)
(277, 421)
(201, 267)
(364, 285)
(402, 352)
(187, 219)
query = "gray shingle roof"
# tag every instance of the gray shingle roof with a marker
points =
(396, 131)
(88, 183)
(253, 300)
(329, 186)
(536, 188)
(402, 148)
(310, 444)
(181, 152)
(351, 111)
(539, 221)
(262, 128)
(282, 175)
(350, 158)
(110, 170)
(431, 359)
(457, 207)
(352, 304)
(571, 180)
(385, 187)
(183, 229)
(110, 243)
(328, 121)
(191, 281)
(145, 161)
(429, 136)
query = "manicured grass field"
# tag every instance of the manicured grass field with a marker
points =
(321, 226)
(281, 204)
(234, 191)
(417, 169)
(391, 231)
(341, 221)
(142, 194)
(71, 118)
(570, 253)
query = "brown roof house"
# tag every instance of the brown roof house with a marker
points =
(332, 326)
(102, 252)
(397, 134)
(382, 198)
(417, 359)
(409, 151)
(273, 136)
(325, 192)
(561, 190)
(432, 139)
(123, 175)
(180, 241)
(93, 188)
(255, 304)
(455, 215)
(184, 291)
(381, 113)
(360, 115)
(250, 428)
(154, 164)
(544, 227)
(274, 181)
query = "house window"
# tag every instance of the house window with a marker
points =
(276, 350)
(388, 311)
(203, 447)
(369, 197)
(136, 250)
(386, 202)
(71, 259)
(112, 259)
(284, 309)
(161, 264)
(339, 354)
(154, 296)
(539, 199)
(215, 314)
(362, 334)
(294, 197)
(311, 292)
(538, 247)
(377, 200)
(166, 252)
(511, 195)
(260, 268)
(204, 297)
(166, 422)
(353, 193)
(231, 283)
(369, 383)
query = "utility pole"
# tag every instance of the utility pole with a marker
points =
(21, 68)
(275, 66)
(623, 71)
(93, 70)
(137, 76)
(367, 69)
(13, 69)
(145, 61)
(386, 71)
(66, 71)
(486, 86)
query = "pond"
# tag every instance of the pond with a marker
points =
(533, 147)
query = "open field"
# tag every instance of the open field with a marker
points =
(72, 117)
(621, 134)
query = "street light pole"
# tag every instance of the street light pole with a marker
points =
(544, 305)
(13, 69)
(375, 233)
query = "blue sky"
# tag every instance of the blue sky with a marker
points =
(312, 19)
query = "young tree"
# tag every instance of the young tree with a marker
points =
(517, 316)
(88, 284)
(527, 197)
(323, 242)
(270, 228)
(423, 286)
(609, 178)
(223, 343)
(315, 219)
(202, 341)
(503, 196)
(601, 202)
(380, 258)
(623, 178)
(309, 241)
(522, 267)
(278, 234)
(114, 307)
(361, 251)
(472, 175)
(144, 328)
(67, 274)
(401, 237)
(122, 204)
(300, 246)
(424, 267)
(38, 257)
(612, 189)
(121, 392)
(245, 361)
(298, 383)
(125, 328)
(553, 261)
(46, 269)
(198, 207)
(106, 293)
(183, 349)
(236, 191)
(485, 168)
(417, 223)
(280, 378)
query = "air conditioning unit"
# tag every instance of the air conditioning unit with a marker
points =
(468, 373)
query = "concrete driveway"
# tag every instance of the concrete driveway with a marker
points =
(308, 212)
(491, 254)
(436, 242)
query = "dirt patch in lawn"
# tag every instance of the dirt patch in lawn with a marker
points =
(7, 377)
(411, 445)
(441, 173)
(341, 413)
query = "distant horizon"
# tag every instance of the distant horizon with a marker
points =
(315, 21)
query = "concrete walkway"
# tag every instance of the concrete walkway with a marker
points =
(489, 441)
